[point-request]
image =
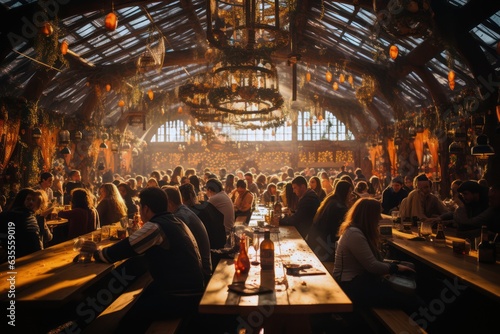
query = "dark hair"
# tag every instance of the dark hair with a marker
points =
(18, 202)
(300, 180)
(128, 189)
(45, 175)
(80, 198)
(173, 194)
(214, 185)
(361, 186)
(188, 194)
(195, 181)
(342, 190)
(155, 198)
(241, 184)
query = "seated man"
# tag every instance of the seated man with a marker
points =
(218, 198)
(212, 218)
(421, 202)
(393, 195)
(306, 207)
(475, 210)
(242, 199)
(174, 263)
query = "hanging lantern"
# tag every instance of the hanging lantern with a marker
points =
(308, 76)
(179, 110)
(108, 87)
(393, 52)
(151, 94)
(320, 118)
(64, 47)
(328, 76)
(335, 86)
(121, 103)
(111, 21)
(65, 150)
(342, 78)
(64, 137)
(47, 29)
(78, 136)
(452, 84)
(451, 76)
(350, 80)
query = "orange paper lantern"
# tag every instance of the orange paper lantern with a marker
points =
(179, 110)
(328, 76)
(451, 75)
(121, 103)
(341, 78)
(452, 84)
(335, 86)
(350, 80)
(64, 47)
(108, 87)
(393, 52)
(308, 76)
(151, 94)
(111, 21)
(47, 29)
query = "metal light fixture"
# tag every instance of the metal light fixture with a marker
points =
(456, 148)
(103, 146)
(36, 133)
(482, 149)
(65, 150)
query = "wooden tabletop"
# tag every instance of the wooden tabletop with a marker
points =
(290, 295)
(481, 276)
(49, 277)
(56, 222)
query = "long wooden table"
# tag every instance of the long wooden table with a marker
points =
(482, 277)
(49, 278)
(292, 295)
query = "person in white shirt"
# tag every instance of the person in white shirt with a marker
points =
(218, 198)
(45, 184)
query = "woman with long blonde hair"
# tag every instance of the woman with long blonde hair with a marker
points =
(111, 207)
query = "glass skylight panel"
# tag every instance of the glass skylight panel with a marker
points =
(86, 30)
(488, 36)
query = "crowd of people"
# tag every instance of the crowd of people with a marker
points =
(187, 212)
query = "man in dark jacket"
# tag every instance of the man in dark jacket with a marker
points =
(308, 203)
(393, 195)
(174, 262)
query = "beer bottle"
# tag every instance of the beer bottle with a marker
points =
(440, 239)
(267, 252)
(485, 250)
(242, 264)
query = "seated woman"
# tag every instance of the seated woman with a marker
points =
(324, 229)
(41, 212)
(111, 207)
(271, 190)
(21, 218)
(359, 267)
(315, 184)
(127, 194)
(83, 217)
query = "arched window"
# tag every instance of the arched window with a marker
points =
(311, 128)
(171, 132)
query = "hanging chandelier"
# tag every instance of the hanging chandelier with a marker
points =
(247, 87)
(247, 24)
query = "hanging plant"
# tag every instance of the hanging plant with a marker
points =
(47, 49)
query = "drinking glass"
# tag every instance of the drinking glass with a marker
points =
(426, 229)
(395, 219)
(256, 244)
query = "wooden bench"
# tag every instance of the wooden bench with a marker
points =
(396, 321)
(108, 320)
